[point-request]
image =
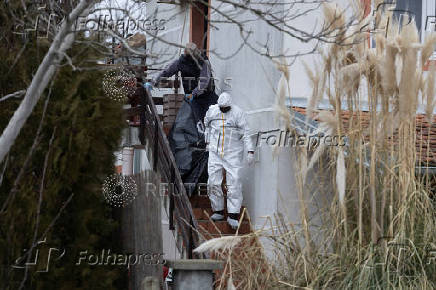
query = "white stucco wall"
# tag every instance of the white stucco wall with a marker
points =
(312, 21)
(253, 79)
(270, 187)
(176, 31)
(251, 76)
(260, 183)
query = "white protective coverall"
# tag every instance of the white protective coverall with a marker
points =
(226, 134)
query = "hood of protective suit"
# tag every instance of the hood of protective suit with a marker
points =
(224, 100)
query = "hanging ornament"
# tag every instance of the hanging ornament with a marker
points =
(119, 84)
(119, 190)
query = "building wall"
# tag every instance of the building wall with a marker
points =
(251, 79)
(167, 41)
(300, 83)
(260, 182)
(249, 76)
(270, 187)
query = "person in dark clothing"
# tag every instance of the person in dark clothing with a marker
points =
(186, 136)
(197, 79)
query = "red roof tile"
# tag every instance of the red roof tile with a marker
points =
(425, 133)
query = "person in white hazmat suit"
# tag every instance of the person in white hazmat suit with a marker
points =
(226, 134)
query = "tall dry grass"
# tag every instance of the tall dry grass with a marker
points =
(380, 227)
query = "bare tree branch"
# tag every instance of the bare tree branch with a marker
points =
(4, 170)
(17, 94)
(45, 72)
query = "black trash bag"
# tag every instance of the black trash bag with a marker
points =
(186, 140)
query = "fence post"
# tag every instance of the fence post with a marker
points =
(156, 145)
(190, 242)
(172, 190)
(145, 231)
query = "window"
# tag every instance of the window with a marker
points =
(429, 21)
(409, 9)
(429, 16)
(422, 11)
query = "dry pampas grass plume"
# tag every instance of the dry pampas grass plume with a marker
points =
(389, 69)
(409, 36)
(428, 48)
(350, 77)
(281, 107)
(430, 94)
(283, 91)
(328, 119)
(408, 85)
(283, 68)
(317, 87)
(333, 16)
(230, 285)
(327, 125)
(341, 176)
(380, 41)
(398, 69)
(219, 244)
